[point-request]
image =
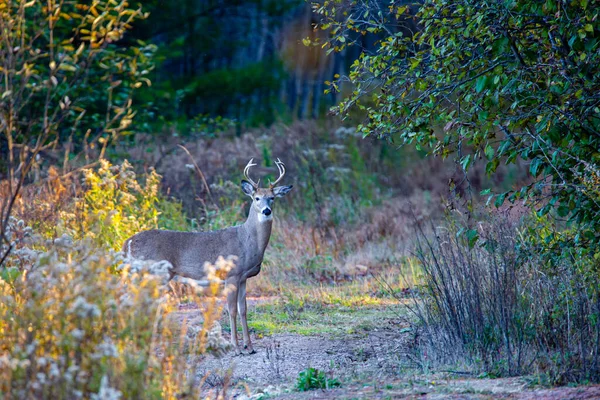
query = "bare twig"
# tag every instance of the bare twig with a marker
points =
(201, 174)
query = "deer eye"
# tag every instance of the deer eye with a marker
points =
(257, 199)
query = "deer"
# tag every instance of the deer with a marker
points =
(187, 252)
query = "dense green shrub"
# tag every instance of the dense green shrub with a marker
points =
(499, 81)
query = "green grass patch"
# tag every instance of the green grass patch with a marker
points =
(319, 319)
(334, 310)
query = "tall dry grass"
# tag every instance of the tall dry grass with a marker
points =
(321, 158)
(500, 309)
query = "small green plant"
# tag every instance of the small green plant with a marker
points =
(312, 378)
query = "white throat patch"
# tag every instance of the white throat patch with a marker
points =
(262, 217)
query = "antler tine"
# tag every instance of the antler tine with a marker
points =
(281, 167)
(246, 170)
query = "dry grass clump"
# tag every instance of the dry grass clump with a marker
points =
(318, 159)
(40, 204)
(501, 308)
(376, 243)
(70, 328)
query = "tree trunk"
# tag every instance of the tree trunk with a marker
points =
(304, 95)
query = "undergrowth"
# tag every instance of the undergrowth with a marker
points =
(502, 307)
(79, 321)
(115, 206)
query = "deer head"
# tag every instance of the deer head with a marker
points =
(262, 198)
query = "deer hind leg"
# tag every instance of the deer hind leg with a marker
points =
(242, 309)
(232, 309)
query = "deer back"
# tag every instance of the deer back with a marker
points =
(186, 251)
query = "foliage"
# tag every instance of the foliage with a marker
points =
(67, 86)
(496, 80)
(312, 378)
(116, 206)
(65, 78)
(171, 215)
(504, 309)
(70, 328)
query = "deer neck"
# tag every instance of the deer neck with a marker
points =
(258, 229)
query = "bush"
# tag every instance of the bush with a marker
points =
(499, 81)
(70, 320)
(498, 306)
(70, 328)
(115, 206)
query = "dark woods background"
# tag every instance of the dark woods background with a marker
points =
(243, 60)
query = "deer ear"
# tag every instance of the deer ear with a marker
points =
(247, 188)
(281, 191)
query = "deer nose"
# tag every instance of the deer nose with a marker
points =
(266, 211)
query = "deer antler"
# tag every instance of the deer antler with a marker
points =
(281, 167)
(248, 166)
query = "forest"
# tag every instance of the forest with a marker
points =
(294, 199)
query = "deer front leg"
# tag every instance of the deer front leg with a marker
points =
(231, 308)
(242, 309)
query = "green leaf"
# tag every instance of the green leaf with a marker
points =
(500, 200)
(9, 275)
(472, 237)
(67, 67)
(491, 166)
(544, 210)
(562, 210)
(480, 84)
(489, 152)
(572, 40)
(466, 162)
(535, 166)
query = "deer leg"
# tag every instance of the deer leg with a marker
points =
(231, 308)
(242, 309)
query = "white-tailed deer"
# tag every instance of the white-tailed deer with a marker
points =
(188, 251)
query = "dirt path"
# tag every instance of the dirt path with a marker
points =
(370, 365)
(281, 357)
